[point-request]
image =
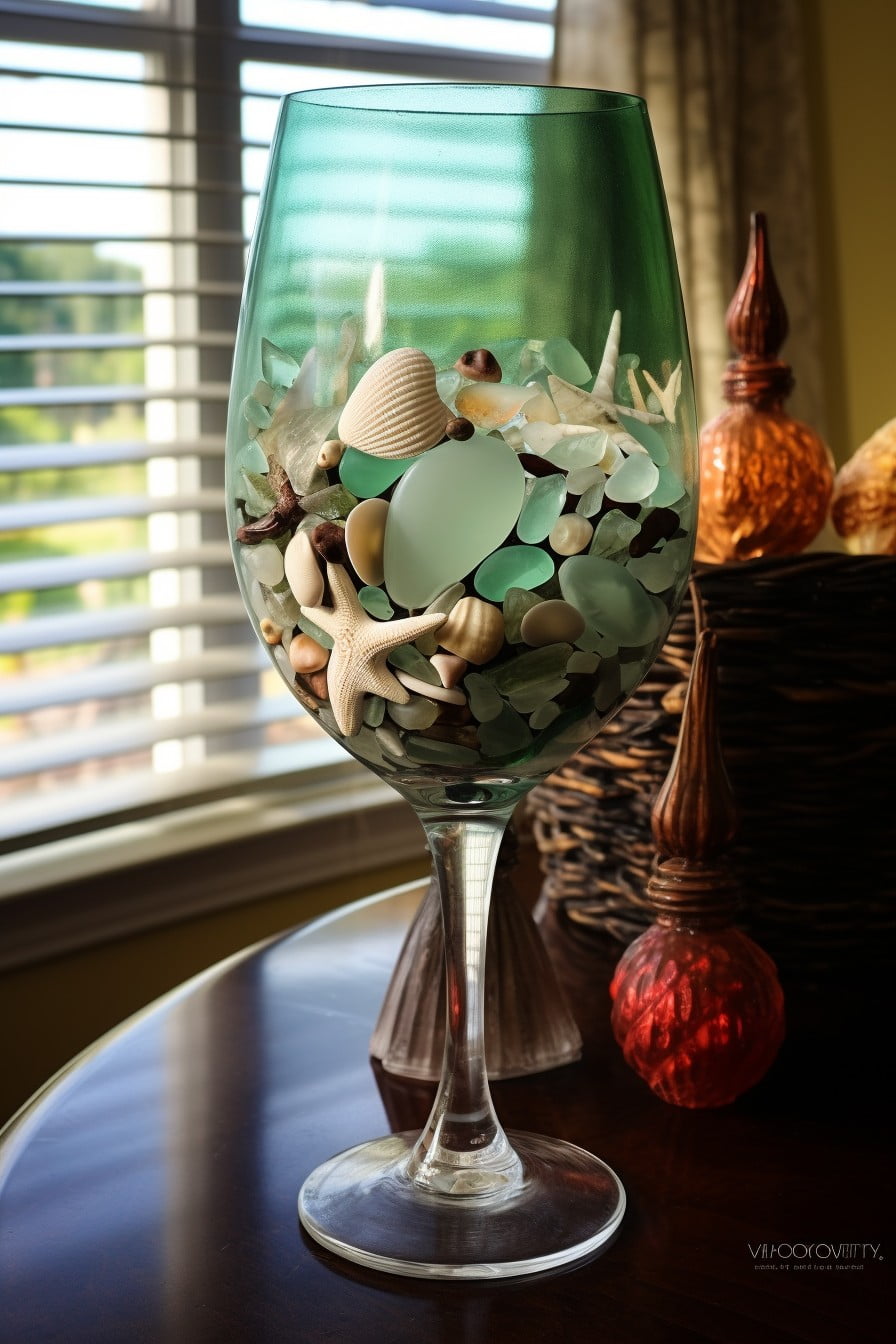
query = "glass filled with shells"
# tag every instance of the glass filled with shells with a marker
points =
(461, 467)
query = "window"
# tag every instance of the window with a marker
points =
(133, 142)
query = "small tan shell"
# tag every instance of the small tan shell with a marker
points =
(474, 630)
(331, 453)
(448, 694)
(863, 508)
(272, 632)
(395, 411)
(365, 533)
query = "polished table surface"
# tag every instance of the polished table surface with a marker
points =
(149, 1194)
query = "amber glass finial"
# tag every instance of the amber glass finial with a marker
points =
(697, 1007)
(765, 478)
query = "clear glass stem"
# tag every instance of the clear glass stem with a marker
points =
(463, 1151)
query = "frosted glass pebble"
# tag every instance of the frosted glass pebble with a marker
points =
(264, 562)
(263, 392)
(570, 534)
(278, 367)
(535, 665)
(528, 700)
(582, 478)
(542, 508)
(563, 359)
(374, 710)
(610, 599)
(539, 436)
(334, 501)
(258, 494)
(389, 740)
(302, 571)
(551, 622)
(679, 551)
(582, 663)
(250, 458)
(492, 405)
(504, 735)
(634, 480)
(629, 676)
(448, 383)
(592, 499)
(305, 623)
(417, 713)
(668, 490)
(282, 607)
(648, 437)
(411, 660)
(453, 505)
(376, 603)
(256, 414)
(485, 702)
(584, 450)
(613, 457)
(544, 716)
(517, 601)
(366, 475)
(613, 534)
(608, 686)
(512, 567)
(655, 572)
(431, 751)
(446, 695)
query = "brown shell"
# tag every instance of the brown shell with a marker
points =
(395, 411)
(863, 508)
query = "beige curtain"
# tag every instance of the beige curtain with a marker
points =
(725, 87)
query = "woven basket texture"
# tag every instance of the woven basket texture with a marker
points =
(807, 719)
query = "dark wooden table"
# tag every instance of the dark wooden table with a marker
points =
(149, 1194)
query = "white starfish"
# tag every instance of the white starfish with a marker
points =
(357, 664)
(666, 396)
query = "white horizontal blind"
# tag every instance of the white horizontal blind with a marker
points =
(132, 146)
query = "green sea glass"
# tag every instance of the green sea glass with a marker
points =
(633, 481)
(367, 476)
(542, 508)
(610, 599)
(512, 567)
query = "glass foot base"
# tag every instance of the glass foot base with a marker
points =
(361, 1206)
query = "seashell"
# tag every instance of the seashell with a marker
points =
(570, 535)
(551, 622)
(863, 508)
(450, 668)
(328, 539)
(460, 429)
(542, 437)
(271, 632)
(330, 454)
(365, 531)
(306, 655)
(449, 695)
(473, 630)
(302, 571)
(480, 366)
(395, 411)
(493, 405)
(605, 382)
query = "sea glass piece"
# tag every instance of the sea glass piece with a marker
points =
(264, 562)
(389, 740)
(432, 751)
(453, 506)
(563, 359)
(582, 663)
(255, 413)
(535, 695)
(417, 713)
(656, 571)
(591, 501)
(610, 599)
(678, 551)
(448, 383)
(278, 368)
(668, 490)
(613, 534)
(634, 480)
(608, 685)
(334, 501)
(250, 458)
(305, 623)
(583, 478)
(411, 660)
(512, 567)
(535, 665)
(258, 493)
(544, 716)
(542, 508)
(295, 438)
(517, 602)
(376, 603)
(485, 702)
(551, 622)
(648, 437)
(374, 710)
(505, 734)
(367, 476)
(583, 450)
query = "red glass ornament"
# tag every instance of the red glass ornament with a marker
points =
(697, 1007)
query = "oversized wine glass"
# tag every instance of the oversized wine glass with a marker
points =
(461, 455)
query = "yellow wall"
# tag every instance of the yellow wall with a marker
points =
(852, 93)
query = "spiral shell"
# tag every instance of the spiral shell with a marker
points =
(395, 411)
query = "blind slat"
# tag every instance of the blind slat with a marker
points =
(65, 341)
(22, 576)
(113, 681)
(83, 509)
(109, 396)
(57, 750)
(91, 627)
(40, 456)
(57, 289)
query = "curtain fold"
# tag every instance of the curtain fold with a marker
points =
(725, 85)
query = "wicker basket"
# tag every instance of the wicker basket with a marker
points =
(807, 694)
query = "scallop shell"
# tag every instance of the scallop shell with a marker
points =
(395, 411)
(474, 630)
